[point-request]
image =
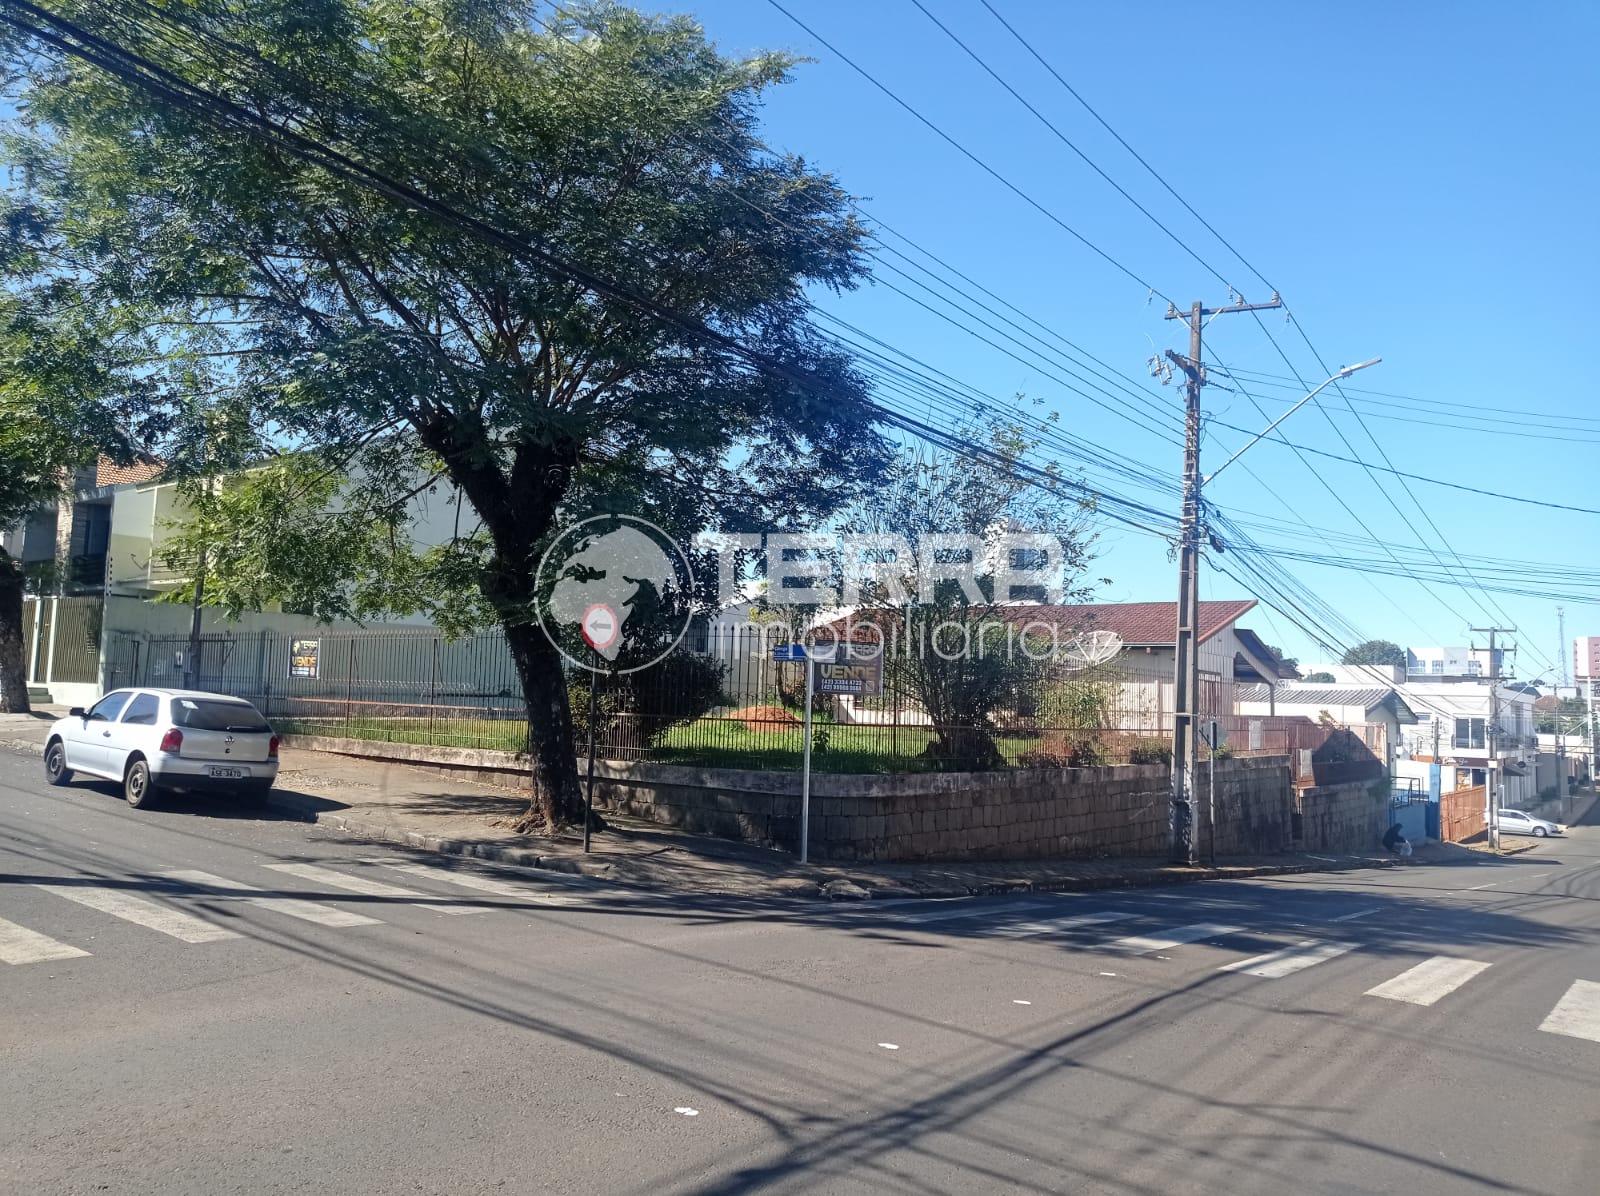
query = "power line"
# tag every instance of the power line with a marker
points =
(1069, 143)
(1265, 281)
(1040, 58)
(971, 156)
(1417, 403)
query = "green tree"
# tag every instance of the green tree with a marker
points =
(1321, 678)
(57, 414)
(1282, 657)
(1570, 717)
(389, 348)
(1376, 652)
(953, 649)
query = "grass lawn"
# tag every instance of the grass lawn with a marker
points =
(708, 742)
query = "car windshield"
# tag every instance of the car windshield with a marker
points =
(200, 714)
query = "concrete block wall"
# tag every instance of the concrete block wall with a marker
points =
(1034, 813)
(1348, 817)
(1022, 814)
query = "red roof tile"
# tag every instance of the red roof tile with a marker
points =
(1137, 623)
(108, 473)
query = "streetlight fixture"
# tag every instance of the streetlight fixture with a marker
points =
(1345, 372)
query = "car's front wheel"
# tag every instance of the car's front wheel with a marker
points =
(1539, 832)
(56, 771)
(138, 785)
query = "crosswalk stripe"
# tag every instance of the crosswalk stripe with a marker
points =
(1577, 1014)
(1140, 944)
(1288, 960)
(1428, 981)
(294, 907)
(18, 944)
(1052, 925)
(476, 880)
(372, 888)
(149, 914)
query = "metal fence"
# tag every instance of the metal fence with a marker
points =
(726, 703)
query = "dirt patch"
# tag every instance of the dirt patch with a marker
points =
(763, 718)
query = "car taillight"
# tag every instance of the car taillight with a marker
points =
(272, 749)
(172, 741)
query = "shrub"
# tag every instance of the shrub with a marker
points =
(635, 709)
(1149, 750)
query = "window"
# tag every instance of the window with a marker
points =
(1474, 668)
(143, 710)
(1469, 733)
(200, 714)
(1436, 666)
(108, 707)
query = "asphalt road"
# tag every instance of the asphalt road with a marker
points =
(167, 1032)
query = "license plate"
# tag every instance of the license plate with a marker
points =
(227, 774)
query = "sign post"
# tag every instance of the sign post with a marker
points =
(1213, 733)
(797, 652)
(599, 628)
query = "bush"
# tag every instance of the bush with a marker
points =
(634, 709)
(1149, 750)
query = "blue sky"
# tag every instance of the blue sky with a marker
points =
(1419, 180)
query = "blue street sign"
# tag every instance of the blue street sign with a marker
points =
(783, 652)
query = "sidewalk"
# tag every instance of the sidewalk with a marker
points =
(393, 803)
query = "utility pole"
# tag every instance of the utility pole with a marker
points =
(1186, 666)
(1491, 729)
(1562, 791)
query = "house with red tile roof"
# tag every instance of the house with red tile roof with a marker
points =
(1230, 655)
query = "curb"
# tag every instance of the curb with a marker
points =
(526, 858)
(305, 810)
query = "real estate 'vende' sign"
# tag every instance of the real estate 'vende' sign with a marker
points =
(303, 657)
(860, 678)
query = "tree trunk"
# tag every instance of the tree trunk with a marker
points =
(13, 669)
(552, 762)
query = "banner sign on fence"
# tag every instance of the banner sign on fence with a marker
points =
(303, 656)
(861, 678)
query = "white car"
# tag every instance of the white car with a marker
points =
(1515, 822)
(155, 739)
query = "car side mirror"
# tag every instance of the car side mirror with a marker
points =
(77, 712)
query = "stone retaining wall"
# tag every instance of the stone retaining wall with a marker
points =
(1021, 814)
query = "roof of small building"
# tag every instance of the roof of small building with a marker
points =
(1137, 624)
(1323, 696)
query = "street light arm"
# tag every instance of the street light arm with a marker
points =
(1344, 372)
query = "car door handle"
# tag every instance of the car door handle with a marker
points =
(105, 734)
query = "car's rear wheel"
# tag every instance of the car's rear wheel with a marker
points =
(1539, 832)
(138, 785)
(56, 771)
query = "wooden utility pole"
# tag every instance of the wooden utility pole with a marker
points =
(1186, 666)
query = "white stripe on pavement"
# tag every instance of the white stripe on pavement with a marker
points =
(294, 907)
(1024, 930)
(1141, 944)
(18, 944)
(373, 888)
(476, 880)
(1577, 1014)
(140, 912)
(1429, 981)
(1360, 913)
(1288, 960)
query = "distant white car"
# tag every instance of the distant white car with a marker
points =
(155, 739)
(1515, 822)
